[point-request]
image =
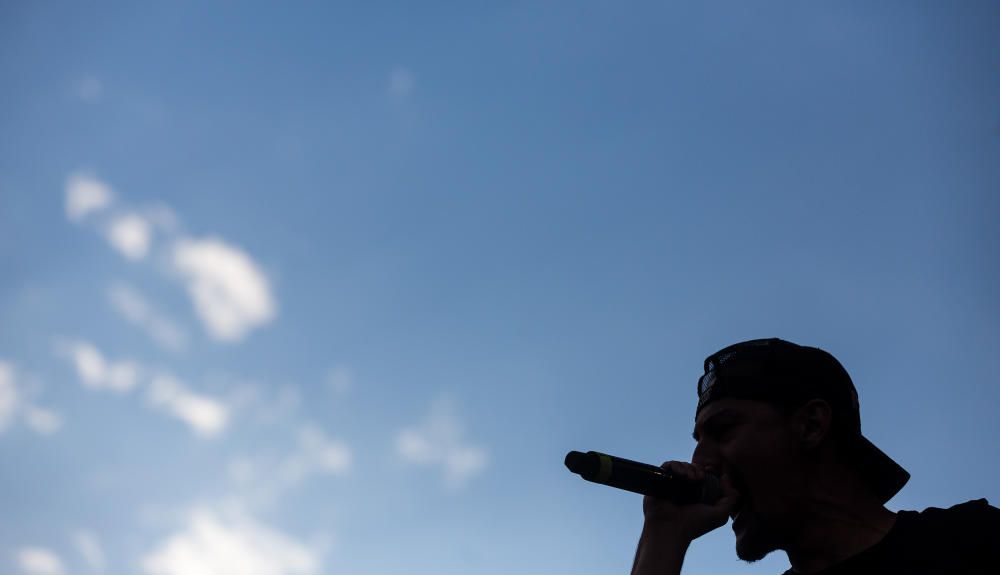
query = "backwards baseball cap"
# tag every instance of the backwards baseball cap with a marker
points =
(787, 374)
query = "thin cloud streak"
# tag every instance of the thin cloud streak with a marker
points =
(439, 440)
(340, 380)
(9, 396)
(262, 481)
(16, 404)
(401, 82)
(134, 307)
(96, 372)
(205, 416)
(41, 420)
(89, 89)
(89, 547)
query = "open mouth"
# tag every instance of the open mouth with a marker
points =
(743, 506)
(744, 501)
(739, 520)
(736, 512)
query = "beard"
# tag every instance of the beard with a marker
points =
(755, 538)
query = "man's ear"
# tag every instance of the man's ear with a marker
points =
(813, 423)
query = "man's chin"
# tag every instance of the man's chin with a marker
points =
(750, 553)
(753, 544)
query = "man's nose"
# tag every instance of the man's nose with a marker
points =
(706, 458)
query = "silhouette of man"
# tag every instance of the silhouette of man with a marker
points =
(780, 424)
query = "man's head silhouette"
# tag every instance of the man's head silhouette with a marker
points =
(783, 421)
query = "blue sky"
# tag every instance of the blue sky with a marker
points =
(331, 289)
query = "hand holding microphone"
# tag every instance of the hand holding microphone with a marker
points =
(680, 497)
(643, 478)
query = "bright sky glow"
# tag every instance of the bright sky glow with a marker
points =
(296, 289)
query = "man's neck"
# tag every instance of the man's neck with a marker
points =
(835, 533)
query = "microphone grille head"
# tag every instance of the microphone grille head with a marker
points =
(582, 463)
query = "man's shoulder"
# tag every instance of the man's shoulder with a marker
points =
(967, 534)
(973, 513)
(964, 538)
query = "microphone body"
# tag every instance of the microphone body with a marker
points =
(642, 478)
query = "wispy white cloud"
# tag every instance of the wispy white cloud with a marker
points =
(207, 417)
(319, 454)
(130, 234)
(128, 302)
(262, 480)
(263, 404)
(44, 421)
(95, 371)
(230, 293)
(211, 544)
(401, 82)
(90, 549)
(340, 379)
(89, 88)
(15, 403)
(85, 194)
(439, 440)
(163, 219)
(9, 400)
(39, 561)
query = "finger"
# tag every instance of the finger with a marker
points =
(680, 469)
(694, 471)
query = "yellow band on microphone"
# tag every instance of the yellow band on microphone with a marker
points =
(605, 472)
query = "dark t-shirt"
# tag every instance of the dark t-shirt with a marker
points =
(960, 540)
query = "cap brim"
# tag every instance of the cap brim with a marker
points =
(884, 475)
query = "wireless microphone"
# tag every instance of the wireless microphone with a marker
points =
(643, 478)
